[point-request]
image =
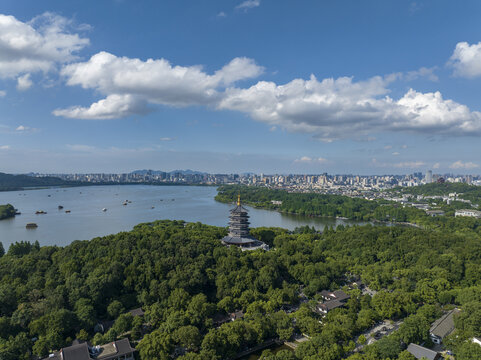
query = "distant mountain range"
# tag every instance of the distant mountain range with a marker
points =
(158, 172)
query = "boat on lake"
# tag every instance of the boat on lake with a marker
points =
(60, 207)
(104, 209)
(67, 211)
(31, 226)
(40, 212)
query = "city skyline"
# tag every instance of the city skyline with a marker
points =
(231, 87)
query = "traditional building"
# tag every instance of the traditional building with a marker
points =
(420, 352)
(443, 326)
(116, 350)
(239, 233)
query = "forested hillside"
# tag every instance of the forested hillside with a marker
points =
(184, 278)
(10, 182)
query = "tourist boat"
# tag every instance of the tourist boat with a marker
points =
(31, 226)
(67, 211)
(125, 203)
(60, 207)
(153, 207)
(39, 212)
(104, 209)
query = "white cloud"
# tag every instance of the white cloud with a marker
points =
(166, 139)
(338, 108)
(329, 109)
(81, 148)
(309, 160)
(36, 46)
(410, 164)
(221, 14)
(423, 72)
(24, 82)
(436, 165)
(4, 147)
(387, 147)
(248, 4)
(396, 153)
(466, 60)
(112, 107)
(3, 93)
(25, 129)
(131, 84)
(463, 165)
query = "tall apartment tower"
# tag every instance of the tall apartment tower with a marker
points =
(429, 177)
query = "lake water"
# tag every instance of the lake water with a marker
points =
(87, 220)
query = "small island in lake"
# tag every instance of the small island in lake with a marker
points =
(7, 211)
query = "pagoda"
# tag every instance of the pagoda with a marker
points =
(239, 233)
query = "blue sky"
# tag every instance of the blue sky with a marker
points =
(272, 86)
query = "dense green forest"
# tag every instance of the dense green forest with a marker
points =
(10, 182)
(6, 211)
(184, 278)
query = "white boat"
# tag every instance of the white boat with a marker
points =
(104, 209)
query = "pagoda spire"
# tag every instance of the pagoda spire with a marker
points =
(238, 200)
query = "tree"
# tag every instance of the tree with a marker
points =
(468, 351)
(85, 312)
(188, 337)
(115, 308)
(82, 335)
(388, 347)
(156, 345)
(98, 339)
(406, 355)
(414, 329)
(123, 323)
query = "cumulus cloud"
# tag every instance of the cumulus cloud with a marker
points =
(337, 108)
(36, 46)
(329, 109)
(4, 147)
(112, 107)
(131, 84)
(3, 93)
(248, 4)
(24, 82)
(166, 139)
(463, 165)
(309, 160)
(466, 60)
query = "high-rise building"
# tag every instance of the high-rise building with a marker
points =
(429, 177)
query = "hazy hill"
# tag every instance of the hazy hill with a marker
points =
(17, 182)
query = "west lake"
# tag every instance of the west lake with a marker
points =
(87, 219)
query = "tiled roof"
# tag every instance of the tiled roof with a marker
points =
(444, 326)
(419, 352)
